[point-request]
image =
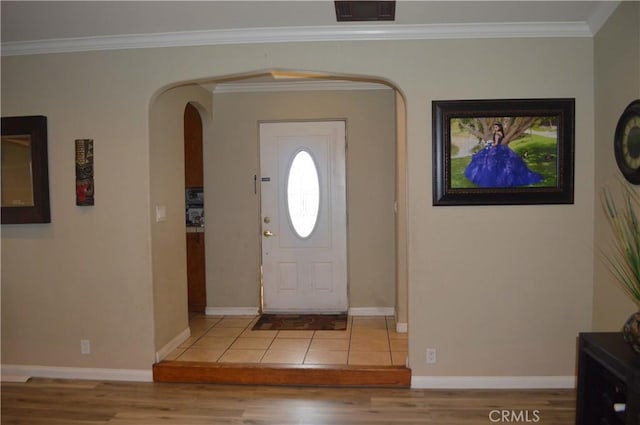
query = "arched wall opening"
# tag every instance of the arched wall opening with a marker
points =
(232, 214)
(167, 210)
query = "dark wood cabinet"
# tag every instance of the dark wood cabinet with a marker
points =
(193, 168)
(196, 277)
(608, 377)
(193, 177)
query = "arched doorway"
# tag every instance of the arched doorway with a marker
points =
(229, 158)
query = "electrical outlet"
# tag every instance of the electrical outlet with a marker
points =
(85, 346)
(431, 355)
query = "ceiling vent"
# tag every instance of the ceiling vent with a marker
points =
(365, 10)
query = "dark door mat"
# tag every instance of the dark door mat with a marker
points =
(305, 322)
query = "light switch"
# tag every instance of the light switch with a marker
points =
(161, 213)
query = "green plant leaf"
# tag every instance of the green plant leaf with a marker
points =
(624, 260)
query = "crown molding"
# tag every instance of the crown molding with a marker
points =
(306, 85)
(366, 32)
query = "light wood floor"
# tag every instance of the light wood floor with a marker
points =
(43, 401)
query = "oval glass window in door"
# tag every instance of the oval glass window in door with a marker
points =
(303, 194)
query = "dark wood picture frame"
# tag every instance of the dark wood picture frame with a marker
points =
(36, 127)
(543, 130)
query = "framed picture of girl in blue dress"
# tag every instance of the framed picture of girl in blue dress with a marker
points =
(503, 152)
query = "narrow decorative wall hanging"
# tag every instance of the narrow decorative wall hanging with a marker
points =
(84, 172)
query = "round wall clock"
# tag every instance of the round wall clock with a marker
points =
(626, 142)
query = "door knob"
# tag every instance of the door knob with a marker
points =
(268, 233)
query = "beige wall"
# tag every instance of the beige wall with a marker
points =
(497, 290)
(233, 208)
(500, 290)
(402, 278)
(87, 274)
(168, 240)
(617, 83)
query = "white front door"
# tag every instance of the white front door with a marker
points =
(303, 207)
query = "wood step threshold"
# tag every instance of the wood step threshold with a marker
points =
(273, 374)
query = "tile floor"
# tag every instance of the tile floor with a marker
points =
(371, 341)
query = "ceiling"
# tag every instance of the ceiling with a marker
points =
(45, 20)
(32, 27)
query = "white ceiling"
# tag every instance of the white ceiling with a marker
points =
(44, 20)
(32, 27)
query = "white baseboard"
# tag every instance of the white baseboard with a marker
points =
(492, 382)
(402, 328)
(97, 374)
(173, 344)
(372, 311)
(231, 311)
(252, 311)
(14, 378)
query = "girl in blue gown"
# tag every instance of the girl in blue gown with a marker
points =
(498, 166)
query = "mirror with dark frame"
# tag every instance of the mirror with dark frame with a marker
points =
(25, 170)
